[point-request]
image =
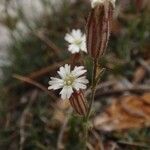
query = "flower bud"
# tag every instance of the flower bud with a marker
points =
(98, 27)
(78, 102)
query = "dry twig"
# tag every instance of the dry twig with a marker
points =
(23, 118)
(138, 89)
(46, 70)
(49, 43)
(32, 82)
(133, 144)
(144, 64)
(63, 128)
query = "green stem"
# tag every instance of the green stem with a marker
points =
(93, 88)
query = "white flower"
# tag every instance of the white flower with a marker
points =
(69, 80)
(94, 3)
(76, 40)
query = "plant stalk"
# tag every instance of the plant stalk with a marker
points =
(93, 89)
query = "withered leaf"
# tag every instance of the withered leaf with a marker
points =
(139, 75)
(125, 113)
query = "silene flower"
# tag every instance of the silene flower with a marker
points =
(76, 40)
(69, 81)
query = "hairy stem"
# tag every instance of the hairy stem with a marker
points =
(93, 88)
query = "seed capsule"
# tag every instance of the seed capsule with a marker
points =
(98, 29)
(78, 102)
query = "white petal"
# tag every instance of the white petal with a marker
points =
(55, 80)
(78, 86)
(84, 38)
(83, 44)
(83, 47)
(73, 48)
(94, 3)
(62, 72)
(69, 38)
(55, 87)
(77, 34)
(78, 71)
(55, 83)
(67, 69)
(82, 80)
(70, 91)
(77, 68)
(66, 92)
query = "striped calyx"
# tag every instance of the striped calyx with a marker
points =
(79, 103)
(98, 29)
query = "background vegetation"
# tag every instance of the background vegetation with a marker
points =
(35, 119)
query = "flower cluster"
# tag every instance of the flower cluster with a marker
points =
(72, 81)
